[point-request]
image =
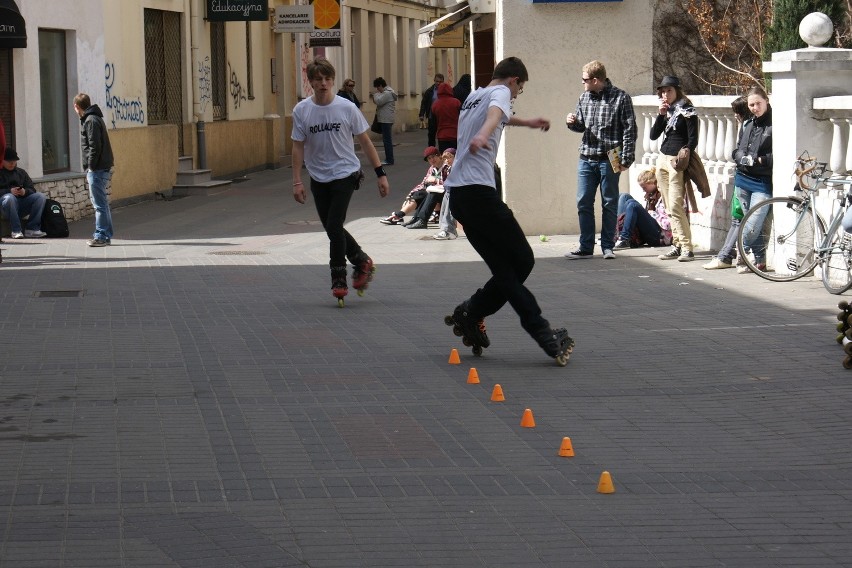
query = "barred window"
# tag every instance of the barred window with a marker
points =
(219, 70)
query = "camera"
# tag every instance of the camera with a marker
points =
(746, 161)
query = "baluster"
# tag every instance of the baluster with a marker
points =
(849, 146)
(646, 138)
(720, 142)
(836, 159)
(730, 140)
(710, 148)
(702, 137)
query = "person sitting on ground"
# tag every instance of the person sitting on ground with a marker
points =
(649, 225)
(19, 198)
(425, 212)
(446, 221)
(418, 194)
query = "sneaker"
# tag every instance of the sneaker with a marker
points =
(34, 234)
(673, 253)
(17, 235)
(417, 224)
(445, 236)
(579, 253)
(744, 269)
(97, 242)
(716, 264)
(608, 254)
(392, 219)
(409, 222)
(686, 256)
(622, 244)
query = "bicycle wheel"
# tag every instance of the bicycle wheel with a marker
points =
(781, 256)
(837, 262)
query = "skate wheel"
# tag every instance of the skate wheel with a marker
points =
(841, 316)
(477, 350)
(843, 304)
(840, 339)
(466, 342)
(448, 320)
(847, 363)
(848, 333)
(457, 331)
(340, 302)
(361, 292)
(841, 327)
(562, 360)
(848, 349)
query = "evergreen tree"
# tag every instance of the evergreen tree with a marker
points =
(783, 34)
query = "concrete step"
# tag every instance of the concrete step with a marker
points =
(204, 188)
(184, 163)
(193, 177)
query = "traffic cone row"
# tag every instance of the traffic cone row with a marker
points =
(566, 450)
(844, 331)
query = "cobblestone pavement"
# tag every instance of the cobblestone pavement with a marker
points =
(192, 396)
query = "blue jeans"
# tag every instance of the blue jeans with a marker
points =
(729, 249)
(387, 140)
(16, 207)
(590, 175)
(752, 237)
(98, 181)
(636, 216)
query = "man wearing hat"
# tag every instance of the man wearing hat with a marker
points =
(605, 117)
(19, 198)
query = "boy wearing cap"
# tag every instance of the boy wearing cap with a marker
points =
(488, 222)
(19, 198)
(418, 194)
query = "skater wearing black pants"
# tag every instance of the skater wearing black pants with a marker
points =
(488, 222)
(323, 130)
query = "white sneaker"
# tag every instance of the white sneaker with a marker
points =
(17, 235)
(444, 236)
(608, 254)
(716, 264)
(34, 234)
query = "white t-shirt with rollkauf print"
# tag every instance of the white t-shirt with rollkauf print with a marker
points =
(478, 169)
(327, 132)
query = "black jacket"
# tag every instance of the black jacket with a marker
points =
(755, 140)
(97, 152)
(426, 103)
(16, 178)
(684, 133)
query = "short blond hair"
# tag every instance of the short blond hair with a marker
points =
(595, 70)
(647, 176)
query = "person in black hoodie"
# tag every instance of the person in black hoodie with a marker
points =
(678, 120)
(753, 180)
(97, 163)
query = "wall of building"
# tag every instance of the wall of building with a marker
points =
(555, 41)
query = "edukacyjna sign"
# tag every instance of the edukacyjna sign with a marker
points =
(237, 10)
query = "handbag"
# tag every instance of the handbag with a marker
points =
(376, 127)
(681, 161)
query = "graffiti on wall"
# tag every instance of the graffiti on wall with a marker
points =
(121, 109)
(205, 86)
(236, 88)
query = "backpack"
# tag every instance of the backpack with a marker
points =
(53, 220)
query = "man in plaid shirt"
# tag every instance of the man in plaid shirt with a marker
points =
(605, 117)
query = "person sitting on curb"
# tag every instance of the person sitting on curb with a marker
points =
(19, 198)
(426, 212)
(649, 225)
(418, 194)
(446, 222)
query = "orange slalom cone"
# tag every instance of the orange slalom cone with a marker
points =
(605, 483)
(497, 394)
(473, 376)
(528, 421)
(454, 357)
(566, 450)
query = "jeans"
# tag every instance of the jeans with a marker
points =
(387, 140)
(446, 221)
(494, 233)
(16, 207)
(332, 201)
(729, 249)
(752, 232)
(636, 216)
(590, 175)
(98, 182)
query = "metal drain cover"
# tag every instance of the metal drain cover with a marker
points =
(238, 252)
(58, 294)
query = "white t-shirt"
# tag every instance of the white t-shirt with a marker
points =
(478, 169)
(327, 132)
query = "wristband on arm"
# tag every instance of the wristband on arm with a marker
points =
(380, 172)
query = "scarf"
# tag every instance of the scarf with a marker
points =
(680, 108)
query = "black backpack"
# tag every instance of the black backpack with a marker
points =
(53, 220)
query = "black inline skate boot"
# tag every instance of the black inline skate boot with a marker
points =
(338, 284)
(556, 343)
(469, 327)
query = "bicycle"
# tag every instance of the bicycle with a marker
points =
(799, 250)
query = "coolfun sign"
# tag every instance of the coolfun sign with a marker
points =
(294, 19)
(326, 31)
(238, 10)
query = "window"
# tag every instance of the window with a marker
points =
(250, 79)
(7, 96)
(54, 101)
(218, 70)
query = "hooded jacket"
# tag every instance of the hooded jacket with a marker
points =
(385, 105)
(97, 151)
(446, 113)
